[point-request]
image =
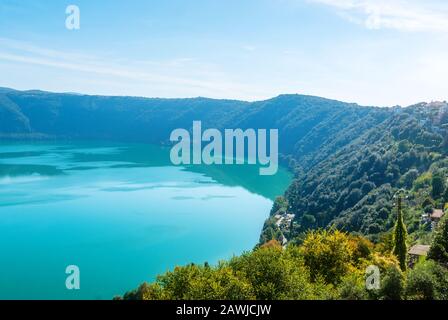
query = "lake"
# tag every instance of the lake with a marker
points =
(121, 212)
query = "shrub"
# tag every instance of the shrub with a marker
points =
(327, 254)
(439, 246)
(421, 283)
(392, 285)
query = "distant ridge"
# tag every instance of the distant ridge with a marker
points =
(78, 116)
(347, 158)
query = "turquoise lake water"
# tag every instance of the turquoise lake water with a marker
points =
(120, 212)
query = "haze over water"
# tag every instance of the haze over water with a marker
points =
(121, 212)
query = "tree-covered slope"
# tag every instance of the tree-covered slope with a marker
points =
(348, 160)
(306, 124)
(353, 188)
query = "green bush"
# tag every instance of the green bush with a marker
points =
(392, 285)
(421, 282)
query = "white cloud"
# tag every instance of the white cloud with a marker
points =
(185, 76)
(404, 15)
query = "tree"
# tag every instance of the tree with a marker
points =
(423, 281)
(280, 205)
(439, 246)
(400, 236)
(308, 221)
(445, 195)
(274, 273)
(403, 146)
(367, 187)
(408, 178)
(327, 254)
(265, 271)
(352, 287)
(392, 286)
(438, 186)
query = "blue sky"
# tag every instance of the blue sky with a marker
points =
(373, 52)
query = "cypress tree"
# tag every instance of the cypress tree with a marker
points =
(400, 236)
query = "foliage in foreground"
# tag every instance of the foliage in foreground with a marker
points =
(439, 248)
(327, 265)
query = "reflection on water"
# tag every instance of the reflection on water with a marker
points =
(121, 213)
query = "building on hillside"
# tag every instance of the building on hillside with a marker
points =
(435, 216)
(284, 221)
(417, 251)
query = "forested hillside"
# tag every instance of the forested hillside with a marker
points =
(353, 188)
(349, 162)
(306, 124)
(348, 159)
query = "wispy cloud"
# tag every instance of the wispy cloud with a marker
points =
(188, 74)
(405, 15)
